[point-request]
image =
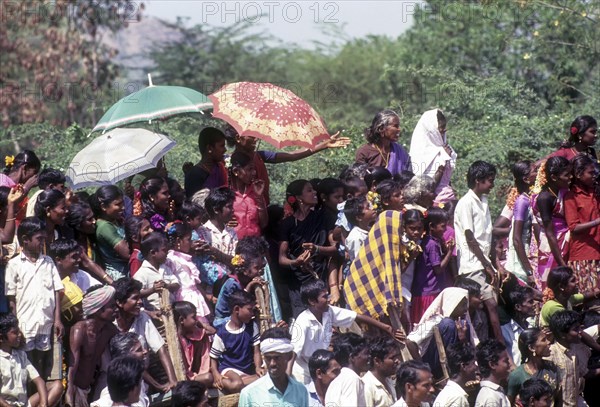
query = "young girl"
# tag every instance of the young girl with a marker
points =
(136, 229)
(582, 213)
(194, 341)
(107, 204)
(247, 267)
(80, 218)
(519, 238)
(582, 137)
(180, 262)
(21, 170)
(390, 192)
(153, 202)
(249, 207)
(8, 201)
(51, 207)
(551, 185)
(413, 224)
(431, 268)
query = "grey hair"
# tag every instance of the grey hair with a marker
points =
(416, 187)
(122, 343)
(380, 121)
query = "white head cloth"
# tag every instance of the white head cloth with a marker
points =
(279, 345)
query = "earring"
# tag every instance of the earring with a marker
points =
(209, 151)
(534, 353)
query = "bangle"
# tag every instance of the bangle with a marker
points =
(316, 249)
(104, 276)
(11, 219)
(333, 285)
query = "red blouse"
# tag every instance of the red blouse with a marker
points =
(582, 206)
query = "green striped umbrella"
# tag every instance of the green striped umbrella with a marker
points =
(152, 103)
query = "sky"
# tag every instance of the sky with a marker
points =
(299, 22)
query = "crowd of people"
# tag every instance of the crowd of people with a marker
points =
(376, 288)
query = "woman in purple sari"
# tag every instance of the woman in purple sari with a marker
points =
(382, 149)
(552, 183)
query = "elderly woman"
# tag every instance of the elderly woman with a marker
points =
(436, 159)
(382, 149)
(419, 193)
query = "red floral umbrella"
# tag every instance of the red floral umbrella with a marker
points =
(270, 113)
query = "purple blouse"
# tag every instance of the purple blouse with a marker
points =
(426, 282)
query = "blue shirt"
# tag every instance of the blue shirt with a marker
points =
(263, 393)
(222, 306)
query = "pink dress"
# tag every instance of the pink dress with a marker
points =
(189, 279)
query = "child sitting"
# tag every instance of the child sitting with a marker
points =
(218, 239)
(33, 289)
(431, 274)
(152, 274)
(379, 386)
(194, 341)
(313, 328)
(136, 230)
(180, 263)
(249, 265)
(16, 371)
(361, 215)
(235, 354)
(88, 340)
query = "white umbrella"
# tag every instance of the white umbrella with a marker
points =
(116, 155)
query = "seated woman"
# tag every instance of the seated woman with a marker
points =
(449, 313)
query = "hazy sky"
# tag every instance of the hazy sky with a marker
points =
(300, 22)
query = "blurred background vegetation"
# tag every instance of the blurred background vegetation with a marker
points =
(510, 76)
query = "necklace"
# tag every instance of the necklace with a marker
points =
(385, 160)
(552, 192)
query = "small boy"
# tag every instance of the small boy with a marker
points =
(536, 393)
(152, 274)
(88, 340)
(570, 355)
(352, 353)
(523, 308)
(235, 353)
(218, 241)
(16, 370)
(33, 288)
(66, 254)
(130, 318)
(361, 215)
(473, 228)
(384, 359)
(48, 178)
(494, 365)
(313, 328)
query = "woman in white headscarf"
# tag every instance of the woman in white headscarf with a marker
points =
(449, 313)
(431, 155)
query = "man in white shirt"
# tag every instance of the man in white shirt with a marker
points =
(323, 370)
(463, 369)
(352, 353)
(494, 364)
(414, 385)
(384, 360)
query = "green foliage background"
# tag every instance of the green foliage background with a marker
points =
(510, 76)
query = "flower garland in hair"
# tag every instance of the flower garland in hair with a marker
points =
(513, 194)
(237, 261)
(547, 295)
(288, 209)
(574, 130)
(137, 204)
(374, 199)
(540, 179)
(171, 227)
(9, 161)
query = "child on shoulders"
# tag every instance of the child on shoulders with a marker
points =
(235, 354)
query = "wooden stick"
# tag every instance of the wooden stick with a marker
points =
(442, 352)
(396, 322)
